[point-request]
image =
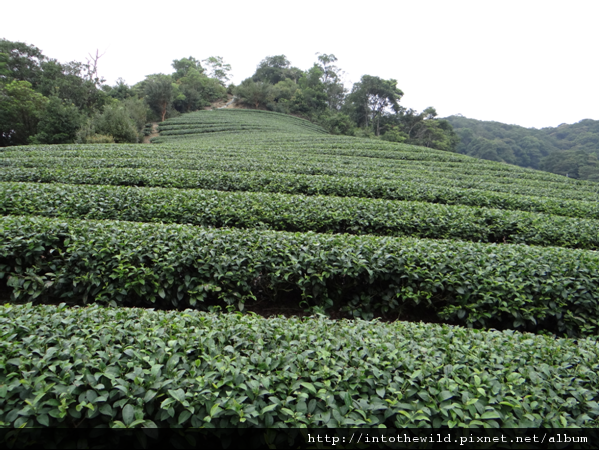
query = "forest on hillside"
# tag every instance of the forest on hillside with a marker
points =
(569, 150)
(43, 101)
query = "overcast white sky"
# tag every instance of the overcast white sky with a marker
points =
(530, 63)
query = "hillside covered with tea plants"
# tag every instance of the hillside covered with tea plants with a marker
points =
(471, 286)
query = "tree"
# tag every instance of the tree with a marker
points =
(73, 82)
(159, 94)
(4, 72)
(311, 98)
(416, 128)
(273, 69)
(196, 90)
(331, 78)
(20, 110)
(115, 121)
(372, 96)
(437, 134)
(183, 65)
(186, 94)
(68, 82)
(22, 61)
(394, 135)
(533, 147)
(218, 69)
(573, 163)
(254, 93)
(337, 123)
(58, 123)
(284, 90)
(120, 90)
(512, 143)
(137, 110)
(92, 69)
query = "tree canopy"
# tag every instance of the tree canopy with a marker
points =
(569, 150)
(371, 97)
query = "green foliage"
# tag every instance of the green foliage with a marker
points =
(314, 94)
(258, 176)
(235, 121)
(311, 98)
(274, 69)
(137, 110)
(284, 90)
(58, 124)
(371, 97)
(349, 248)
(116, 122)
(337, 123)
(297, 213)
(331, 78)
(255, 94)
(72, 87)
(158, 91)
(572, 163)
(570, 150)
(98, 367)
(394, 135)
(173, 266)
(120, 90)
(20, 110)
(21, 62)
(253, 159)
(184, 65)
(196, 91)
(218, 69)
(73, 83)
(422, 128)
(4, 71)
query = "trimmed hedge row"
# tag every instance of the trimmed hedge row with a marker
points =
(93, 366)
(361, 187)
(233, 120)
(269, 181)
(361, 160)
(173, 266)
(297, 213)
(90, 367)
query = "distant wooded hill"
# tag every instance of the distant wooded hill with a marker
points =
(569, 150)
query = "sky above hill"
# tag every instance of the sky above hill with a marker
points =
(531, 63)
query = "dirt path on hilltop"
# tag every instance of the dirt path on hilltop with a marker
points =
(154, 133)
(229, 103)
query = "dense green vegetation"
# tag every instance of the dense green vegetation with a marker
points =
(370, 109)
(256, 210)
(505, 286)
(133, 367)
(285, 212)
(569, 150)
(47, 102)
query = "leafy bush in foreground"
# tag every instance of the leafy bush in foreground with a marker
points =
(88, 367)
(173, 266)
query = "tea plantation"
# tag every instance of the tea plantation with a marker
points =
(465, 292)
